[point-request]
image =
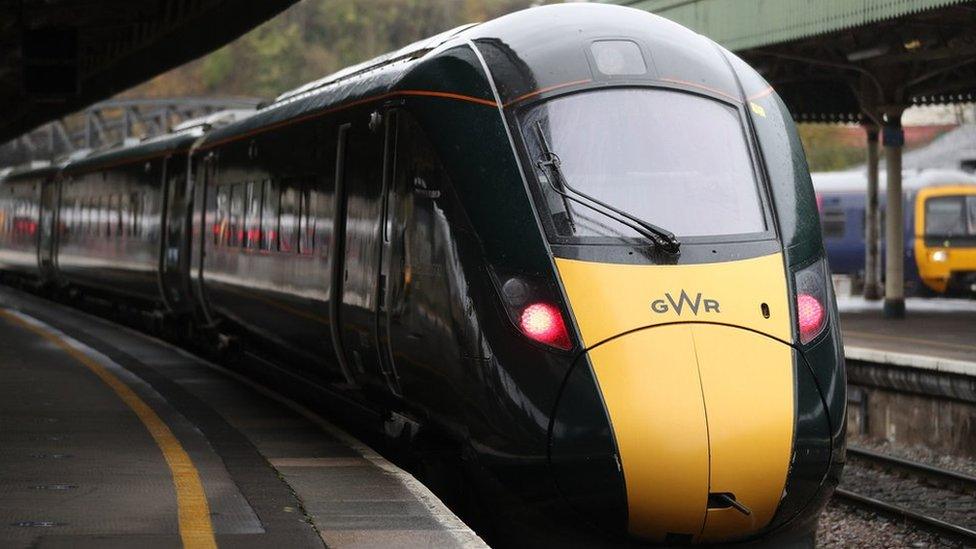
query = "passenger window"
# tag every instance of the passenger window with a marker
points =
(253, 219)
(90, 222)
(288, 218)
(236, 225)
(221, 218)
(320, 218)
(124, 216)
(113, 215)
(307, 226)
(119, 215)
(102, 229)
(135, 201)
(834, 222)
(269, 217)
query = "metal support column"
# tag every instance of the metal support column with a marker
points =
(894, 140)
(872, 264)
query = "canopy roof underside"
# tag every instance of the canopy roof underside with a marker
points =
(832, 60)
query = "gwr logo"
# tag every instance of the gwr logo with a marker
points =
(662, 306)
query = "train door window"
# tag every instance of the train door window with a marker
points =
(253, 219)
(834, 222)
(222, 216)
(306, 241)
(288, 217)
(235, 224)
(269, 216)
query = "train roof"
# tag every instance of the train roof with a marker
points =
(856, 181)
(31, 170)
(528, 52)
(180, 139)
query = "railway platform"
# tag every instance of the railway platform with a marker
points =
(109, 438)
(937, 334)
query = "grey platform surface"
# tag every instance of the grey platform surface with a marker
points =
(78, 469)
(936, 334)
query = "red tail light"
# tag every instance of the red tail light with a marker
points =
(810, 314)
(544, 323)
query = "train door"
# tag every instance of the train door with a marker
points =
(389, 266)
(361, 164)
(204, 199)
(174, 260)
(47, 229)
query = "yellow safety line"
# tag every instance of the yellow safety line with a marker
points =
(196, 530)
(947, 345)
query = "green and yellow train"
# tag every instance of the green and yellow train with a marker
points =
(574, 253)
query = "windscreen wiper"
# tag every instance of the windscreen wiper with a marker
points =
(550, 162)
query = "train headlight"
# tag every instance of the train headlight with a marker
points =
(532, 306)
(811, 301)
(940, 256)
(544, 323)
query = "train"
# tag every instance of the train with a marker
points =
(571, 256)
(939, 228)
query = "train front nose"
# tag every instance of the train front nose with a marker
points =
(700, 404)
(702, 417)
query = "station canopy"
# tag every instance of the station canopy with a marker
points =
(831, 60)
(59, 55)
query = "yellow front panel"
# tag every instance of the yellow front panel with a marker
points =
(609, 299)
(650, 384)
(697, 403)
(747, 382)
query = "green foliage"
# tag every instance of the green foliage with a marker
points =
(829, 147)
(314, 38)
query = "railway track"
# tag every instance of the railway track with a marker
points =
(931, 498)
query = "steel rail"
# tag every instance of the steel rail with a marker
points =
(947, 477)
(932, 524)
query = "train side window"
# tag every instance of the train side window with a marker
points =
(124, 216)
(288, 217)
(107, 202)
(834, 223)
(83, 216)
(306, 241)
(252, 236)
(269, 216)
(221, 219)
(119, 214)
(235, 225)
(103, 217)
(79, 221)
(113, 215)
(135, 205)
(151, 213)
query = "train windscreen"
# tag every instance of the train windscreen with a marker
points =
(948, 216)
(675, 160)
